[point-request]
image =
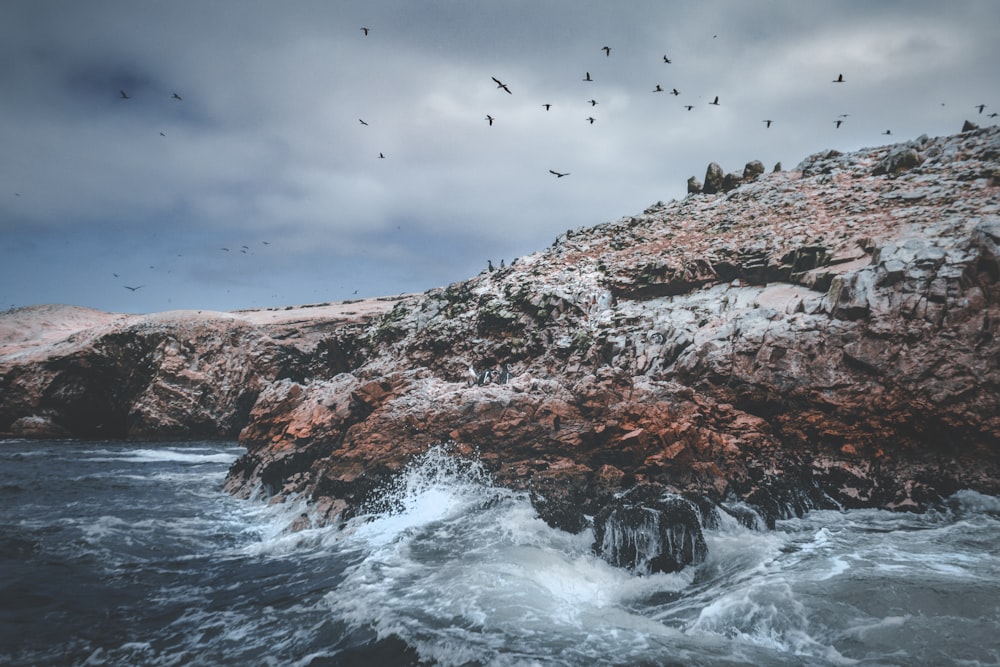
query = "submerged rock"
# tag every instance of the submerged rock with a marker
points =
(647, 531)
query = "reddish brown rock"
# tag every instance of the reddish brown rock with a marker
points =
(819, 337)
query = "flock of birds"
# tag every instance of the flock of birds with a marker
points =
(658, 88)
(503, 87)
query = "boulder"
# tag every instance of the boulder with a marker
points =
(752, 170)
(713, 179)
(693, 186)
(649, 531)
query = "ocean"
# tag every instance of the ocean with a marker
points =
(117, 553)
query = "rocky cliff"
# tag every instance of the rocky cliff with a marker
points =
(819, 337)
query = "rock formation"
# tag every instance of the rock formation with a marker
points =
(825, 336)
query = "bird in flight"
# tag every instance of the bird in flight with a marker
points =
(132, 289)
(547, 106)
(226, 249)
(767, 122)
(593, 103)
(558, 175)
(838, 122)
(675, 92)
(715, 101)
(176, 97)
(123, 95)
(667, 60)
(501, 85)
(362, 121)
(658, 89)
(162, 135)
(490, 119)
(587, 78)
(887, 132)
(980, 107)
(607, 50)
(365, 30)
(381, 156)
(839, 79)
(591, 119)
(689, 106)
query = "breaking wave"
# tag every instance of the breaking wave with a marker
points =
(116, 555)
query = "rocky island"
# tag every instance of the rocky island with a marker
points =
(825, 336)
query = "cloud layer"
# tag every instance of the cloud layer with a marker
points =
(265, 153)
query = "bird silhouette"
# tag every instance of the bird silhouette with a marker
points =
(839, 79)
(587, 78)
(490, 119)
(365, 30)
(558, 175)
(658, 89)
(226, 249)
(591, 119)
(689, 106)
(887, 132)
(767, 122)
(123, 95)
(593, 103)
(381, 156)
(176, 97)
(675, 92)
(838, 122)
(980, 107)
(501, 85)
(715, 101)
(547, 106)
(132, 289)
(607, 50)
(162, 135)
(993, 115)
(667, 60)
(362, 121)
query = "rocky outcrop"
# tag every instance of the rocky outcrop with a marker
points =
(820, 337)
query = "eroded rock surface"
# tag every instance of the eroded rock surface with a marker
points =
(820, 337)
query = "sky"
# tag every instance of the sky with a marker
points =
(261, 187)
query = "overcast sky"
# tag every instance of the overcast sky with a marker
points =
(265, 153)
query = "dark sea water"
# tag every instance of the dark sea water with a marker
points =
(130, 554)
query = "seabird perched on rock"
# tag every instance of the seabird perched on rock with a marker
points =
(505, 374)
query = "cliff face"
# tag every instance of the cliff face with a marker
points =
(826, 335)
(822, 336)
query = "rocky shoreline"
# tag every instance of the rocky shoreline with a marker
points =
(824, 336)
